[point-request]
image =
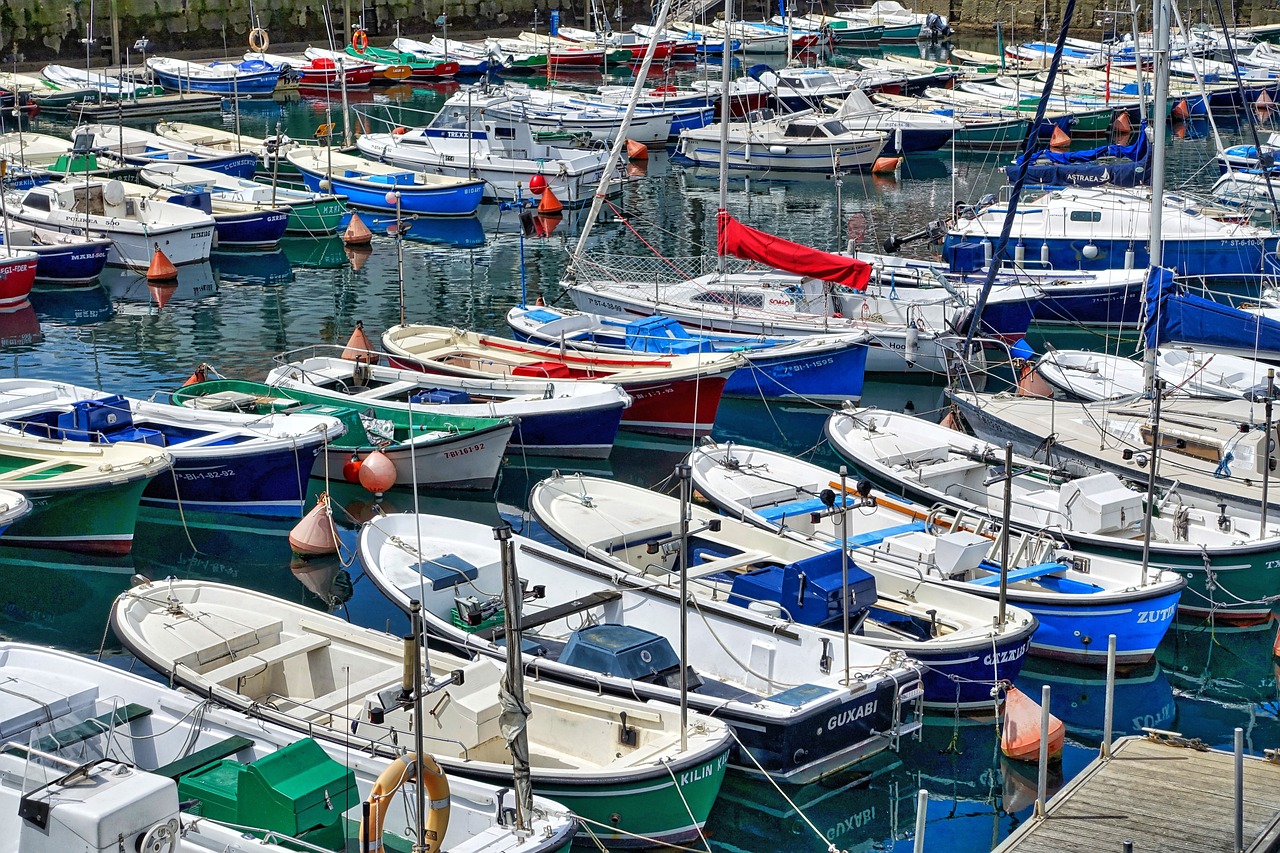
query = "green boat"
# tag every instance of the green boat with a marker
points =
(84, 497)
(991, 134)
(433, 451)
(418, 67)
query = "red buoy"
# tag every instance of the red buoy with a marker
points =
(537, 184)
(161, 268)
(315, 534)
(378, 473)
(200, 374)
(885, 165)
(637, 150)
(351, 468)
(1181, 112)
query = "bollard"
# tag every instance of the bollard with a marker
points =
(1042, 785)
(922, 809)
(1239, 848)
(1108, 715)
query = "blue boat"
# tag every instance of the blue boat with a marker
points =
(223, 461)
(237, 225)
(826, 368)
(62, 259)
(143, 148)
(1117, 165)
(376, 186)
(243, 79)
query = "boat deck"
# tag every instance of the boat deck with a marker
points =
(1161, 795)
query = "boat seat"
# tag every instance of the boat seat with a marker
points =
(556, 612)
(715, 565)
(778, 512)
(1042, 499)
(91, 728)
(226, 436)
(259, 661)
(201, 757)
(1025, 573)
(317, 709)
(939, 475)
(875, 537)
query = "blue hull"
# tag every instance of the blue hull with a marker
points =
(1007, 320)
(250, 230)
(75, 264)
(1237, 258)
(691, 120)
(1101, 306)
(462, 200)
(588, 434)
(965, 678)
(832, 375)
(236, 165)
(1080, 633)
(246, 86)
(267, 484)
(916, 140)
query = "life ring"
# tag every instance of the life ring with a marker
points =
(360, 41)
(259, 41)
(397, 773)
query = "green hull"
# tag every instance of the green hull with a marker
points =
(320, 218)
(654, 808)
(92, 520)
(987, 136)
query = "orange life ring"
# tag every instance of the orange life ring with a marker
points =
(259, 41)
(397, 773)
(360, 41)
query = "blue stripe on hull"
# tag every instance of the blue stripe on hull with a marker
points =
(1080, 633)
(1235, 258)
(829, 375)
(588, 433)
(269, 483)
(1007, 319)
(459, 201)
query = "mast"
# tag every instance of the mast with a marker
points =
(726, 113)
(1159, 114)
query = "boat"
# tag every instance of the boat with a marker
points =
(380, 186)
(36, 157)
(1091, 376)
(628, 779)
(381, 72)
(687, 40)
(900, 25)
(465, 139)
(141, 148)
(13, 506)
(269, 150)
(1186, 372)
(61, 259)
(1040, 52)
(312, 214)
(17, 274)
(908, 133)
(978, 131)
(420, 68)
(1096, 228)
(111, 754)
(76, 79)
(818, 368)
(1073, 605)
(427, 450)
(600, 632)
(730, 571)
(845, 33)
(670, 395)
(236, 79)
(612, 40)
(552, 417)
(222, 461)
(102, 209)
(237, 224)
(443, 50)
(319, 73)
(598, 122)
(84, 497)
(797, 142)
(1119, 165)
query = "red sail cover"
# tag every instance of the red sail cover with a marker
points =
(743, 242)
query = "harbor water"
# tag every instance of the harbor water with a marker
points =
(236, 312)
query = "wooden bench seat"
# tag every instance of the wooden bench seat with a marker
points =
(259, 660)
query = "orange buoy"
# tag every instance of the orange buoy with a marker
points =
(885, 165)
(549, 203)
(378, 473)
(161, 268)
(1122, 124)
(1020, 734)
(358, 346)
(1263, 100)
(161, 291)
(200, 374)
(315, 534)
(637, 150)
(357, 233)
(1032, 384)
(351, 468)
(950, 421)
(1181, 112)
(1060, 139)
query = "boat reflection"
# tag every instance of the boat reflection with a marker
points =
(50, 600)
(314, 252)
(260, 268)
(195, 282)
(73, 306)
(19, 326)
(463, 232)
(1077, 696)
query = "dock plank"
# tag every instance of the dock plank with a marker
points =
(1158, 795)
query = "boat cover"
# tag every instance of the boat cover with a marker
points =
(742, 241)
(1119, 165)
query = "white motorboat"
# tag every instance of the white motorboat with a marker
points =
(796, 142)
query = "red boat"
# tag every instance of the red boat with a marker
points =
(671, 394)
(323, 73)
(17, 275)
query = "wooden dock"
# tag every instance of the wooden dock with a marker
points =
(1161, 794)
(154, 106)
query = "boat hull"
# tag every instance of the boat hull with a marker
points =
(471, 462)
(1105, 305)
(831, 377)
(316, 217)
(246, 85)
(17, 275)
(260, 229)
(450, 201)
(71, 264)
(97, 520)
(271, 483)
(236, 165)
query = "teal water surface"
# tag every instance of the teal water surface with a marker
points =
(240, 310)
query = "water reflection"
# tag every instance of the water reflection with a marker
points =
(1077, 696)
(314, 253)
(19, 326)
(49, 599)
(74, 306)
(261, 268)
(461, 231)
(195, 282)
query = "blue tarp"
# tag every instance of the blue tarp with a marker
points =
(1186, 318)
(1119, 165)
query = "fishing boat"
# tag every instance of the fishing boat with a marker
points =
(612, 40)
(443, 50)
(670, 395)
(557, 113)
(846, 33)
(321, 72)
(552, 418)
(120, 751)
(420, 67)
(427, 449)
(1224, 559)
(141, 148)
(597, 631)
(103, 210)
(309, 213)
(237, 224)
(818, 368)
(13, 506)
(317, 674)
(222, 461)
(235, 79)
(1073, 605)
(43, 156)
(1102, 228)
(737, 569)
(62, 259)
(17, 275)
(901, 26)
(380, 186)
(686, 40)
(269, 150)
(796, 142)
(75, 79)
(84, 497)
(908, 133)
(978, 131)
(466, 139)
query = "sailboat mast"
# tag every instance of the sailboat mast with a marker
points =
(726, 113)
(1159, 114)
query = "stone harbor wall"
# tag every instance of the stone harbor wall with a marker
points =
(40, 30)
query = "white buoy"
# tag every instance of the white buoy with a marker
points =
(913, 344)
(1128, 258)
(1044, 254)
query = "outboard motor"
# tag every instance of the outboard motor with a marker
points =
(936, 26)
